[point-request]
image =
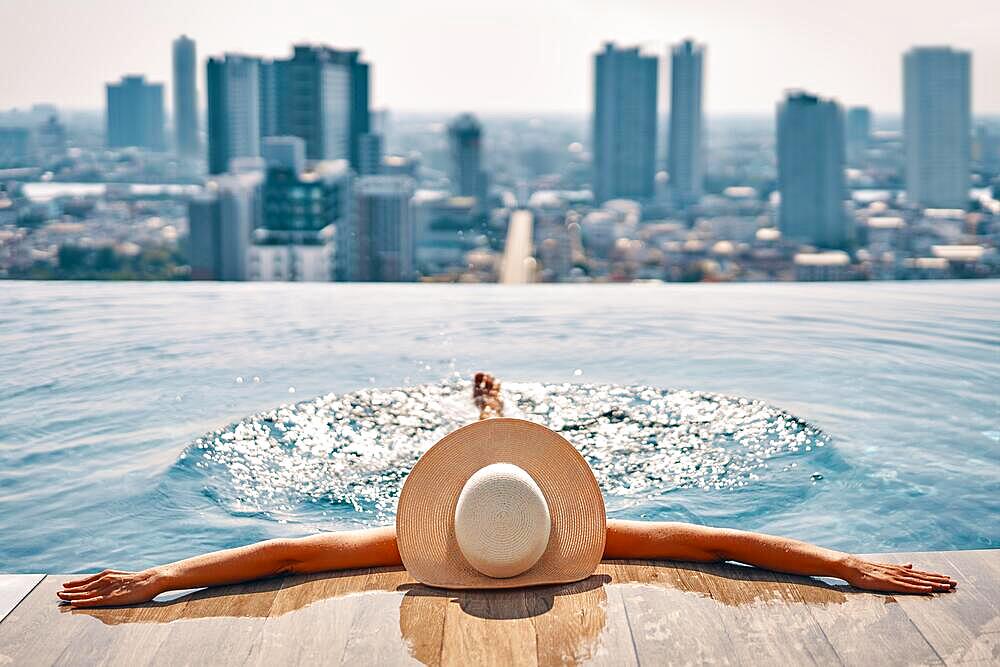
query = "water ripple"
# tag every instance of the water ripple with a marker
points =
(353, 450)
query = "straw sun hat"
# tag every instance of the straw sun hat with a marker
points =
(500, 503)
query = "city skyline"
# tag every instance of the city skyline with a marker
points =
(852, 53)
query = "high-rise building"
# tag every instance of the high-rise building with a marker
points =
(268, 97)
(859, 132)
(135, 114)
(447, 229)
(300, 204)
(937, 126)
(15, 147)
(221, 221)
(377, 243)
(233, 110)
(811, 172)
(987, 147)
(50, 140)
(625, 85)
(302, 210)
(323, 97)
(380, 122)
(401, 165)
(369, 154)
(185, 97)
(465, 143)
(284, 153)
(685, 150)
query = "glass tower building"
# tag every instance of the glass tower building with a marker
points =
(185, 97)
(937, 126)
(624, 132)
(685, 157)
(811, 172)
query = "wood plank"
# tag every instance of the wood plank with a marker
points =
(761, 625)
(422, 613)
(630, 612)
(41, 631)
(310, 619)
(13, 589)
(863, 628)
(671, 614)
(570, 621)
(614, 646)
(34, 633)
(375, 636)
(230, 620)
(963, 626)
(489, 628)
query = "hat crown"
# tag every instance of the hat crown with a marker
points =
(502, 521)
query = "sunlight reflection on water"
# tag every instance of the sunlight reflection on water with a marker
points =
(355, 449)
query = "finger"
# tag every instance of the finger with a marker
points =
(908, 587)
(936, 585)
(85, 580)
(937, 578)
(89, 591)
(105, 580)
(86, 586)
(96, 601)
(926, 575)
(922, 573)
(78, 596)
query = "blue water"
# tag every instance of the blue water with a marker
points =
(141, 423)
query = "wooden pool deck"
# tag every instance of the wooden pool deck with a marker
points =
(628, 613)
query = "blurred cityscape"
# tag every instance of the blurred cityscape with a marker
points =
(280, 170)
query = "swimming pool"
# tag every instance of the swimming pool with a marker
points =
(860, 416)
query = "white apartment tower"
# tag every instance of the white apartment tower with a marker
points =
(937, 126)
(685, 150)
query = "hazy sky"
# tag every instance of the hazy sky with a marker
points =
(505, 55)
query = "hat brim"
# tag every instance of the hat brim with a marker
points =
(425, 518)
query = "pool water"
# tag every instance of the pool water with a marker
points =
(141, 423)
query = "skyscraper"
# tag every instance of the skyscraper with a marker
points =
(268, 97)
(937, 124)
(811, 172)
(378, 241)
(15, 147)
(50, 140)
(284, 153)
(859, 130)
(369, 154)
(185, 97)
(685, 151)
(323, 97)
(624, 124)
(221, 221)
(447, 228)
(233, 110)
(468, 179)
(302, 210)
(135, 114)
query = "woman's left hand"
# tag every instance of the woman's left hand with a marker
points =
(111, 587)
(889, 578)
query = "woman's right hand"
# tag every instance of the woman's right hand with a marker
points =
(111, 587)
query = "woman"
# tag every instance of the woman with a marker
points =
(378, 547)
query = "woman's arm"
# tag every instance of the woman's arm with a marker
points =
(317, 553)
(681, 541)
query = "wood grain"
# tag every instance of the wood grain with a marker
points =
(963, 626)
(13, 589)
(628, 613)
